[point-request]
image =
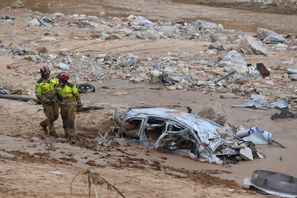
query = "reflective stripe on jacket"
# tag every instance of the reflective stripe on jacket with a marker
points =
(43, 87)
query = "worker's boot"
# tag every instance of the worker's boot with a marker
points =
(43, 124)
(52, 131)
(69, 133)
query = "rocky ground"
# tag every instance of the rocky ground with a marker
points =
(165, 55)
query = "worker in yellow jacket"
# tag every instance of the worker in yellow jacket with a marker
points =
(46, 94)
(68, 99)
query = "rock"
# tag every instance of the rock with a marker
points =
(87, 23)
(36, 58)
(228, 96)
(209, 113)
(5, 155)
(13, 66)
(137, 79)
(155, 76)
(58, 15)
(200, 62)
(293, 77)
(127, 60)
(140, 21)
(235, 62)
(262, 33)
(121, 141)
(262, 70)
(48, 39)
(95, 34)
(34, 22)
(205, 25)
(42, 50)
(269, 36)
(19, 50)
(222, 38)
(251, 45)
(217, 46)
(150, 34)
(98, 162)
(274, 38)
(246, 153)
(280, 47)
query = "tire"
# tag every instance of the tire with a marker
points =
(85, 88)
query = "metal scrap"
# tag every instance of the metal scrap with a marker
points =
(169, 130)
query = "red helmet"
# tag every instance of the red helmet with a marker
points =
(63, 76)
(45, 70)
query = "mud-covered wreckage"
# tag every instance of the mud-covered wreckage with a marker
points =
(169, 130)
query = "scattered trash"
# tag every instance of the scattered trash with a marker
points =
(89, 108)
(170, 130)
(284, 114)
(272, 183)
(45, 20)
(85, 88)
(56, 173)
(225, 76)
(280, 103)
(63, 66)
(255, 135)
(8, 19)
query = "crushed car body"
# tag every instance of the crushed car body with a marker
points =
(169, 130)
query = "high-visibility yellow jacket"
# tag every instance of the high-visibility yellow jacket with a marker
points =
(45, 89)
(68, 93)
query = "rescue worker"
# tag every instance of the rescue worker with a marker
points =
(46, 94)
(68, 99)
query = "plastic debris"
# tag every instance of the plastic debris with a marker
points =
(281, 104)
(284, 114)
(56, 173)
(256, 136)
(63, 66)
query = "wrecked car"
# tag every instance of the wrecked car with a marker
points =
(169, 130)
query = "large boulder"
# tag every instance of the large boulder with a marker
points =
(234, 61)
(274, 38)
(262, 33)
(269, 36)
(251, 45)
